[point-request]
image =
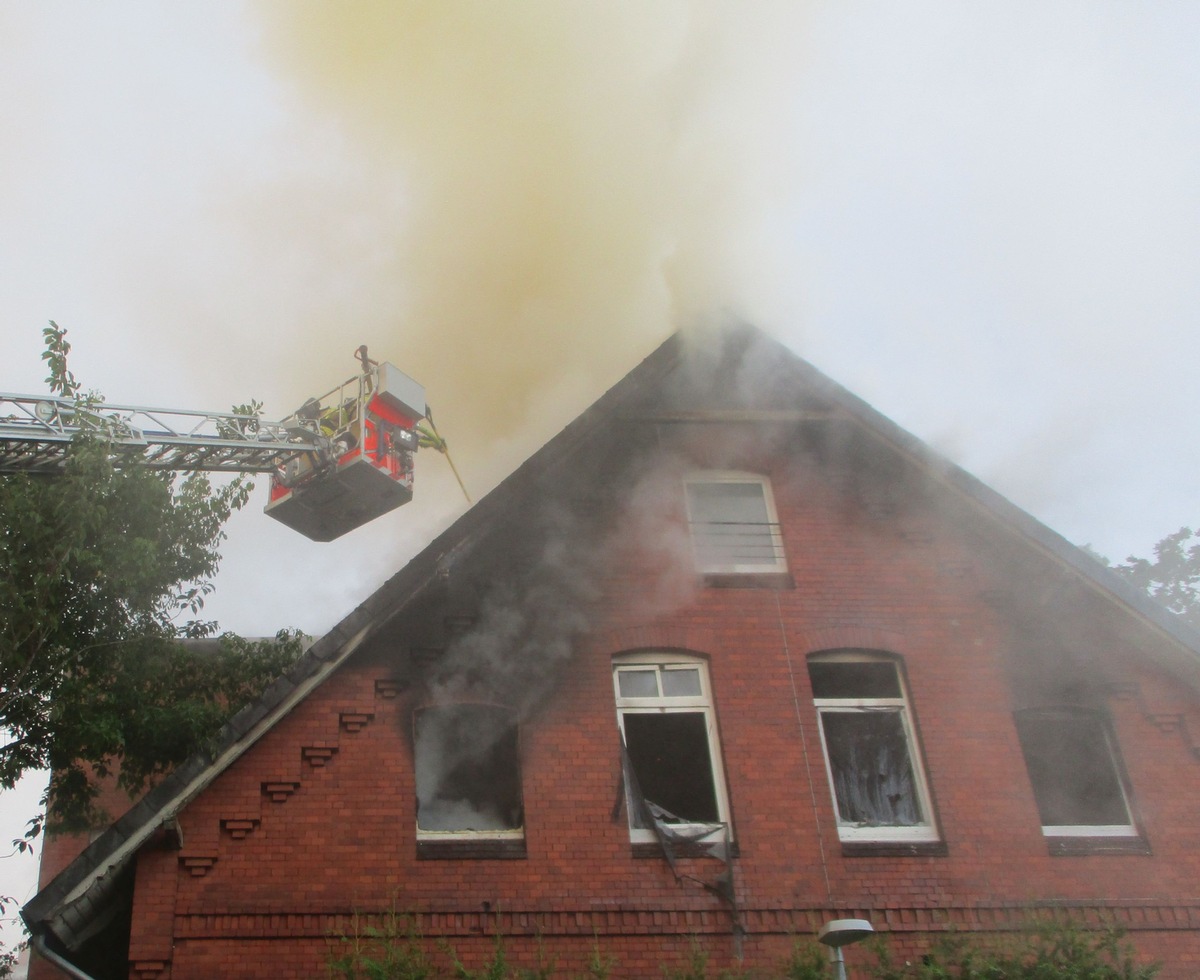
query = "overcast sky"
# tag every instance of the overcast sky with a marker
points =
(982, 218)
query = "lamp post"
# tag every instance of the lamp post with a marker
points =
(838, 933)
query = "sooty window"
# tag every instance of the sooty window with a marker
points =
(468, 776)
(1073, 765)
(733, 524)
(875, 773)
(665, 714)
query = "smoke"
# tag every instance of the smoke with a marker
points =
(567, 183)
(496, 673)
(652, 536)
(465, 762)
(615, 507)
(527, 622)
(526, 627)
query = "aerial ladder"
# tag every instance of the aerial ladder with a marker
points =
(337, 462)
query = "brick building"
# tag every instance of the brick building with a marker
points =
(731, 656)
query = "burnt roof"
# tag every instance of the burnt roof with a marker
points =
(74, 906)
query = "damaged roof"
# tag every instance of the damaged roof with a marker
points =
(79, 902)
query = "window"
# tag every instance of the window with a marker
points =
(1073, 765)
(875, 774)
(733, 524)
(468, 779)
(664, 710)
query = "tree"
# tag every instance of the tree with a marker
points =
(103, 572)
(1173, 577)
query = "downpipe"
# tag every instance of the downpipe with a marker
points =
(39, 944)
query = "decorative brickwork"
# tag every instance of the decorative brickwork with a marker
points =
(388, 688)
(278, 791)
(197, 864)
(239, 828)
(355, 721)
(1167, 722)
(317, 755)
(616, 921)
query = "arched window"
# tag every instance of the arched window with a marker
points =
(875, 773)
(665, 713)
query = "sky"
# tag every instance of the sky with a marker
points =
(983, 219)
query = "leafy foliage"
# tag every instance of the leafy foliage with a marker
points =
(1173, 577)
(164, 702)
(391, 951)
(1051, 951)
(10, 959)
(497, 968)
(395, 950)
(807, 962)
(695, 967)
(102, 572)
(1046, 952)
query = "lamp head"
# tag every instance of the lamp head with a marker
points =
(843, 932)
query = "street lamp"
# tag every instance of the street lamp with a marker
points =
(838, 933)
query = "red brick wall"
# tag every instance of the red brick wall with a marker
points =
(262, 882)
(59, 850)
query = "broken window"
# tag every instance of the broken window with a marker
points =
(666, 718)
(733, 524)
(875, 774)
(1072, 763)
(468, 777)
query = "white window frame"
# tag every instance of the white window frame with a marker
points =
(1092, 830)
(855, 833)
(660, 705)
(778, 561)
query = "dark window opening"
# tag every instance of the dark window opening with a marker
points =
(467, 770)
(854, 679)
(670, 756)
(1072, 769)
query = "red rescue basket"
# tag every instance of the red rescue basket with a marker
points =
(364, 438)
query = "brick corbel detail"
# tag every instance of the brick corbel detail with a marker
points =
(1167, 722)
(280, 790)
(355, 721)
(198, 863)
(239, 828)
(319, 753)
(148, 969)
(387, 688)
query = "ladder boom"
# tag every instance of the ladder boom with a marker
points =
(336, 463)
(36, 432)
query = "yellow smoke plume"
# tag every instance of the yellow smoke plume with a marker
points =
(577, 180)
